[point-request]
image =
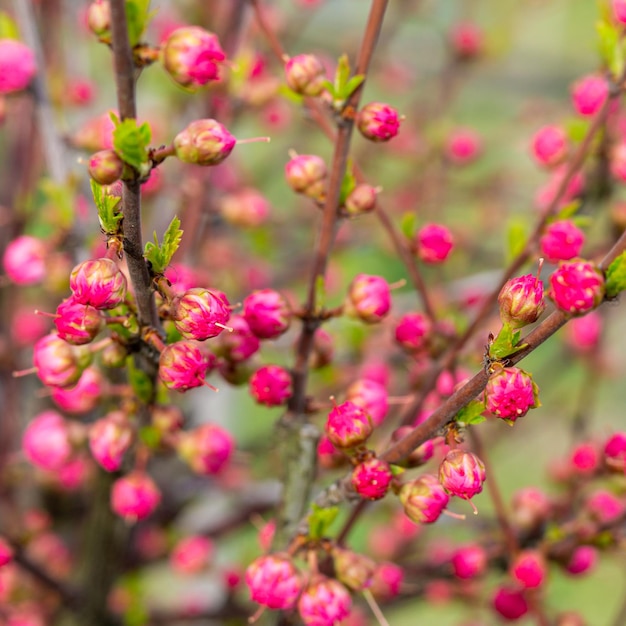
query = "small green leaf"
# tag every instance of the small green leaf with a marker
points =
(506, 343)
(342, 73)
(616, 276)
(568, 211)
(160, 255)
(472, 413)
(516, 238)
(347, 184)
(108, 214)
(396, 470)
(577, 129)
(139, 381)
(320, 520)
(130, 141)
(408, 225)
(137, 16)
(8, 28)
(352, 85)
(611, 49)
(320, 292)
(150, 435)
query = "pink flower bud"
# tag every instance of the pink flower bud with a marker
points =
(585, 458)
(17, 66)
(324, 602)
(424, 499)
(99, 19)
(190, 55)
(109, 438)
(361, 200)
(204, 142)
(348, 425)
(58, 363)
(378, 121)
(531, 507)
(328, 456)
(577, 287)
(77, 323)
(200, 313)
(270, 385)
(521, 301)
(268, 314)
(549, 146)
(510, 393)
(589, 94)
(247, 208)
(582, 560)
(352, 569)
(615, 446)
(306, 174)
(369, 298)
(619, 11)
(387, 581)
(27, 326)
(105, 167)
(605, 507)
(274, 581)
(83, 396)
(24, 259)
(433, 243)
(562, 241)
(463, 146)
(469, 561)
(583, 333)
(467, 40)
(617, 162)
(529, 569)
(99, 283)
(206, 449)
(46, 441)
(305, 75)
(412, 331)
(135, 496)
(240, 343)
(510, 602)
(191, 554)
(96, 133)
(372, 478)
(462, 474)
(183, 366)
(6, 552)
(371, 396)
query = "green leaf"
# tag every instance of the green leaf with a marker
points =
(151, 436)
(108, 214)
(576, 129)
(506, 343)
(472, 413)
(352, 85)
(347, 184)
(320, 520)
(616, 276)
(137, 16)
(131, 142)
(342, 73)
(139, 381)
(8, 28)
(320, 292)
(160, 255)
(568, 211)
(516, 238)
(396, 470)
(611, 48)
(408, 224)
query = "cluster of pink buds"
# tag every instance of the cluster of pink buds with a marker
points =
(369, 298)
(17, 66)
(521, 301)
(577, 287)
(378, 121)
(200, 313)
(510, 393)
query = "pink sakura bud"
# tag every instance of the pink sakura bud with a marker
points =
(204, 142)
(305, 75)
(99, 283)
(549, 146)
(387, 581)
(378, 121)
(583, 333)
(361, 200)
(105, 167)
(24, 259)
(562, 241)
(200, 313)
(577, 287)
(348, 425)
(466, 40)
(99, 19)
(582, 560)
(183, 366)
(510, 602)
(268, 314)
(83, 396)
(240, 343)
(605, 507)
(412, 332)
(510, 393)
(324, 602)
(274, 581)
(247, 208)
(585, 458)
(529, 569)
(17, 66)
(617, 162)
(619, 11)
(424, 499)
(135, 496)
(589, 94)
(433, 243)
(57, 362)
(521, 301)
(469, 561)
(352, 569)
(77, 323)
(80, 91)
(369, 298)
(95, 134)
(206, 449)
(191, 554)
(190, 55)
(372, 478)
(6, 552)
(306, 174)
(371, 396)
(270, 385)
(109, 438)
(531, 507)
(615, 446)
(462, 474)
(46, 441)
(463, 146)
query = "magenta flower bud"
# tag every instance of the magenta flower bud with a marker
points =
(200, 313)
(352, 569)
(469, 561)
(582, 560)
(6, 552)
(589, 94)
(24, 260)
(306, 174)
(387, 581)
(348, 425)
(99, 283)
(462, 474)
(274, 581)
(182, 366)
(510, 602)
(585, 458)
(190, 55)
(615, 446)
(529, 569)
(467, 40)
(577, 287)
(191, 554)
(135, 496)
(521, 301)
(204, 142)
(361, 200)
(99, 19)
(562, 241)
(105, 167)
(83, 396)
(17, 66)
(378, 121)
(46, 441)
(371, 396)
(412, 331)
(270, 385)
(433, 243)
(206, 449)
(424, 499)
(372, 478)
(549, 146)
(324, 602)
(369, 298)
(247, 208)
(604, 507)
(463, 146)
(77, 323)
(109, 438)
(268, 314)
(58, 363)
(510, 393)
(239, 344)
(619, 11)
(305, 75)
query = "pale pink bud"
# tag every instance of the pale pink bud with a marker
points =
(510, 393)
(617, 162)
(24, 259)
(74, 474)
(274, 581)
(361, 200)
(412, 331)
(561, 241)
(204, 142)
(371, 479)
(589, 94)
(99, 283)
(306, 174)
(369, 298)
(324, 602)
(387, 581)
(510, 602)
(240, 343)
(521, 301)
(27, 326)
(582, 560)
(549, 146)
(424, 499)
(619, 10)
(46, 441)
(463, 146)
(352, 569)
(109, 438)
(467, 40)
(105, 167)
(191, 55)
(583, 333)
(348, 425)
(267, 312)
(191, 554)
(462, 474)
(183, 366)
(371, 396)
(530, 507)
(585, 458)
(135, 496)
(17, 66)
(57, 362)
(529, 569)
(577, 287)
(433, 243)
(99, 19)
(247, 208)
(6, 552)
(270, 385)
(378, 121)
(206, 449)
(305, 74)
(77, 323)
(469, 561)
(96, 133)
(79, 91)
(83, 396)
(200, 313)
(604, 507)
(327, 455)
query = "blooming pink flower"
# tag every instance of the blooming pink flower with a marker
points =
(46, 441)
(135, 496)
(24, 259)
(267, 312)
(57, 362)
(83, 396)
(325, 602)
(510, 393)
(191, 554)
(200, 313)
(372, 478)
(17, 66)
(582, 560)
(371, 396)
(207, 449)
(204, 142)
(306, 174)
(433, 243)
(469, 561)
(77, 323)
(412, 331)
(463, 146)
(369, 298)
(577, 287)
(183, 366)
(529, 569)
(348, 425)
(305, 74)
(99, 283)
(109, 438)
(589, 94)
(424, 499)
(274, 581)
(462, 474)
(510, 602)
(378, 121)
(270, 385)
(561, 241)
(549, 145)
